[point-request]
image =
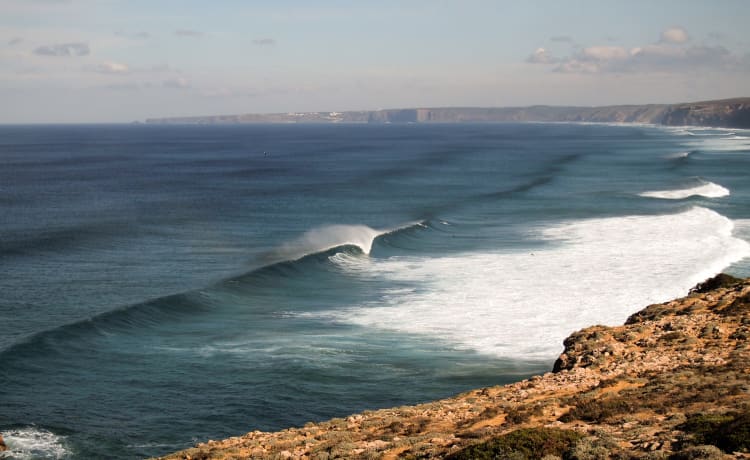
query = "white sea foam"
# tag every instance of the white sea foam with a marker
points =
(725, 142)
(32, 443)
(679, 155)
(705, 189)
(522, 305)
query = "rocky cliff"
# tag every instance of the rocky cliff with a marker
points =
(729, 113)
(673, 382)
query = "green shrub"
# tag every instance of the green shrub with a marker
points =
(593, 410)
(719, 281)
(729, 432)
(523, 444)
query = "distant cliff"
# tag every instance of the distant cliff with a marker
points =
(727, 113)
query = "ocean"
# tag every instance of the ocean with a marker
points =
(164, 285)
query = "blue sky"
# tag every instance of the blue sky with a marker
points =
(124, 60)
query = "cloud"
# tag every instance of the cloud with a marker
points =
(541, 56)
(177, 83)
(188, 33)
(671, 53)
(604, 53)
(264, 42)
(112, 68)
(675, 35)
(649, 58)
(65, 49)
(15, 41)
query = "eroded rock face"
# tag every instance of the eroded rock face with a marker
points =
(729, 113)
(3, 447)
(665, 383)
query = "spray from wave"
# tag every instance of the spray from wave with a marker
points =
(34, 443)
(522, 305)
(705, 189)
(332, 236)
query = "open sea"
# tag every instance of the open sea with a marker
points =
(164, 285)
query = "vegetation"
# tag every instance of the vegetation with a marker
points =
(722, 280)
(597, 410)
(729, 432)
(523, 444)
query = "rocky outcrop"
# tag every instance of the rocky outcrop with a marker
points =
(673, 382)
(729, 113)
(3, 447)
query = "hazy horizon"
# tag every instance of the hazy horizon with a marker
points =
(73, 61)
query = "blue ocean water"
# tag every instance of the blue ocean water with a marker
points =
(162, 285)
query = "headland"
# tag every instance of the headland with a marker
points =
(673, 382)
(725, 113)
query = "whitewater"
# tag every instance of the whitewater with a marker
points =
(164, 285)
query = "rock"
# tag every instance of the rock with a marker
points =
(3, 447)
(634, 390)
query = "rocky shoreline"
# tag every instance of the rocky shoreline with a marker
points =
(672, 383)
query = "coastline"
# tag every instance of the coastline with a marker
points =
(724, 113)
(669, 383)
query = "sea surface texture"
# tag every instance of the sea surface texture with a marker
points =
(162, 285)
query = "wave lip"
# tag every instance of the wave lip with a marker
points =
(32, 443)
(705, 189)
(328, 237)
(679, 155)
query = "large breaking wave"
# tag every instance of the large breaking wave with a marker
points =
(521, 305)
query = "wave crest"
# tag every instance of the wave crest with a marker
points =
(332, 236)
(32, 442)
(705, 189)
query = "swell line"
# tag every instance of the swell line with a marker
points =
(157, 311)
(545, 177)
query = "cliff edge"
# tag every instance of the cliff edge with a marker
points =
(672, 383)
(726, 113)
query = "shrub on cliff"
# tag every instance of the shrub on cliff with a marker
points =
(719, 281)
(523, 444)
(729, 432)
(597, 410)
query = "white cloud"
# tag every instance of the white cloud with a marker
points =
(605, 53)
(674, 35)
(64, 50)
(577, 66)
(541, 56)
(671, 54)
(15, 41)
(112, 68)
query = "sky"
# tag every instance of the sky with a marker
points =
(102, 61)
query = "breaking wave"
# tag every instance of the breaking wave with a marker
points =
(33, 443)
(325, 238)
(522, 305)
(705, 189)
